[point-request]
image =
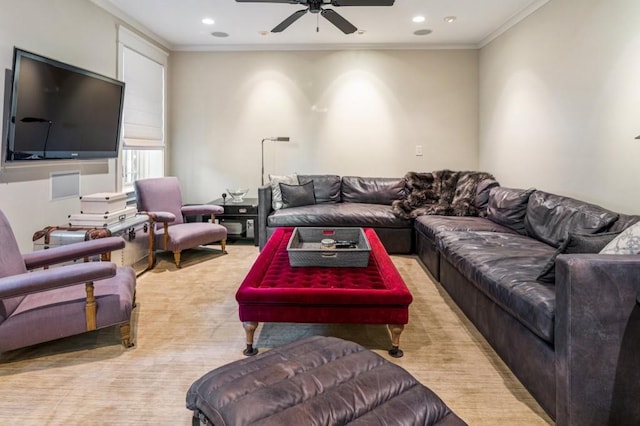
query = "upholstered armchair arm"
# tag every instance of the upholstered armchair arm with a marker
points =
(36, 281)
(163, 217)
(202, 209)
(70, 252)
(597, 339)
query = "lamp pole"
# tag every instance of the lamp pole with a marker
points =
(275, 139)
(262, 169)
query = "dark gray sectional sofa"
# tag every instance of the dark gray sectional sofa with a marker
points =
(574, 342)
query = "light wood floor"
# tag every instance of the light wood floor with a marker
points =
(186, 324)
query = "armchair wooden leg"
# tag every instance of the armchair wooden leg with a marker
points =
(90, 307)
(125, 335)
(223, 246)
(176, 258)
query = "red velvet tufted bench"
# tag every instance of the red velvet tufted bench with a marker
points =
(273, 291)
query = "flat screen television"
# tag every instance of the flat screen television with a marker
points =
(59, 111)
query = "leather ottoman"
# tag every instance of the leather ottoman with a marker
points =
(315, 381)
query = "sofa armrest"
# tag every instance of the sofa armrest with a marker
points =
(264, 210)
(597, 339)
(47, 279)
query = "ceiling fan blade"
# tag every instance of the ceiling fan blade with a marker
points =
(290, 20)
(337, 20)
(361, 2)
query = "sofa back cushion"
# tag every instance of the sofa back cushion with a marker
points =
(551, 217)
(482, 195)
(325, 187)
(372, 190)
(508, 206)
(624, 221)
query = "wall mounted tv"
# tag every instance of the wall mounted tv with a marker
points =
(59, 111)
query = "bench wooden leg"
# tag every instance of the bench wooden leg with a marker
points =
(395, 330)
(250, 329)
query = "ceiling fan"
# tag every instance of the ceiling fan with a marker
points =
(315, 6)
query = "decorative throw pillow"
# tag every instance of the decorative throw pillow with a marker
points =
(297, 195)
(508, 206)
(628, 242)
(575, 243)
(276, 195)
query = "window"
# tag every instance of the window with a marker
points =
(142, 68)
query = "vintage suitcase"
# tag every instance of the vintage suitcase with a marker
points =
(103, 202)
(134, 230)
(102, 220)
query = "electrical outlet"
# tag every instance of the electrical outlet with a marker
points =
(418, 150)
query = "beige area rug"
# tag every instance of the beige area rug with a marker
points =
(186, 323)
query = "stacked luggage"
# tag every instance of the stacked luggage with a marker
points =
(101, 215)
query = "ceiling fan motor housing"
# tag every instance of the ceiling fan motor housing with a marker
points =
(315, 6)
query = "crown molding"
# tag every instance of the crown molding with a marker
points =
(132, 23)
(515, 19)
(320, 47)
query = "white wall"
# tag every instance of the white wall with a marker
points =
(560, 102)
(72, 31)
(347, 113)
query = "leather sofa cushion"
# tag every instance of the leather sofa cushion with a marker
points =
(297, 195)
(372, 190)
(504, 267)
(432, 225)
(508, 206)
(325, 187)
(316, 380)
(482, 195)
(338, 214)
(624, 221)
(551, 217)
(574, 244)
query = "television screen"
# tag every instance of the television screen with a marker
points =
(58, 111)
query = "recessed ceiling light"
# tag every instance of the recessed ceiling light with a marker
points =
(422, 32)
(219, 34)
(360, 32)
(263, 32)
(418, 19)
(208, 21)
(449, 19)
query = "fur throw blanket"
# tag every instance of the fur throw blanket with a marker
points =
(442, 192)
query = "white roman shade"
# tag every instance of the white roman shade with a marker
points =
(143, 74)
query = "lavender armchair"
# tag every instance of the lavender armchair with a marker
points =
(49, 304)
(161, 199)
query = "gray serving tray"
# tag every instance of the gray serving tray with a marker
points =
(304, 248)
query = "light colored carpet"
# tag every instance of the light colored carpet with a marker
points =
(186, 324)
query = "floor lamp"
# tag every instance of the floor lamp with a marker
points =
(274, 139)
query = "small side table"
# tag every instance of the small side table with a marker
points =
(240, 219)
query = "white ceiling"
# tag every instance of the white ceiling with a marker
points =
(177, 23)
